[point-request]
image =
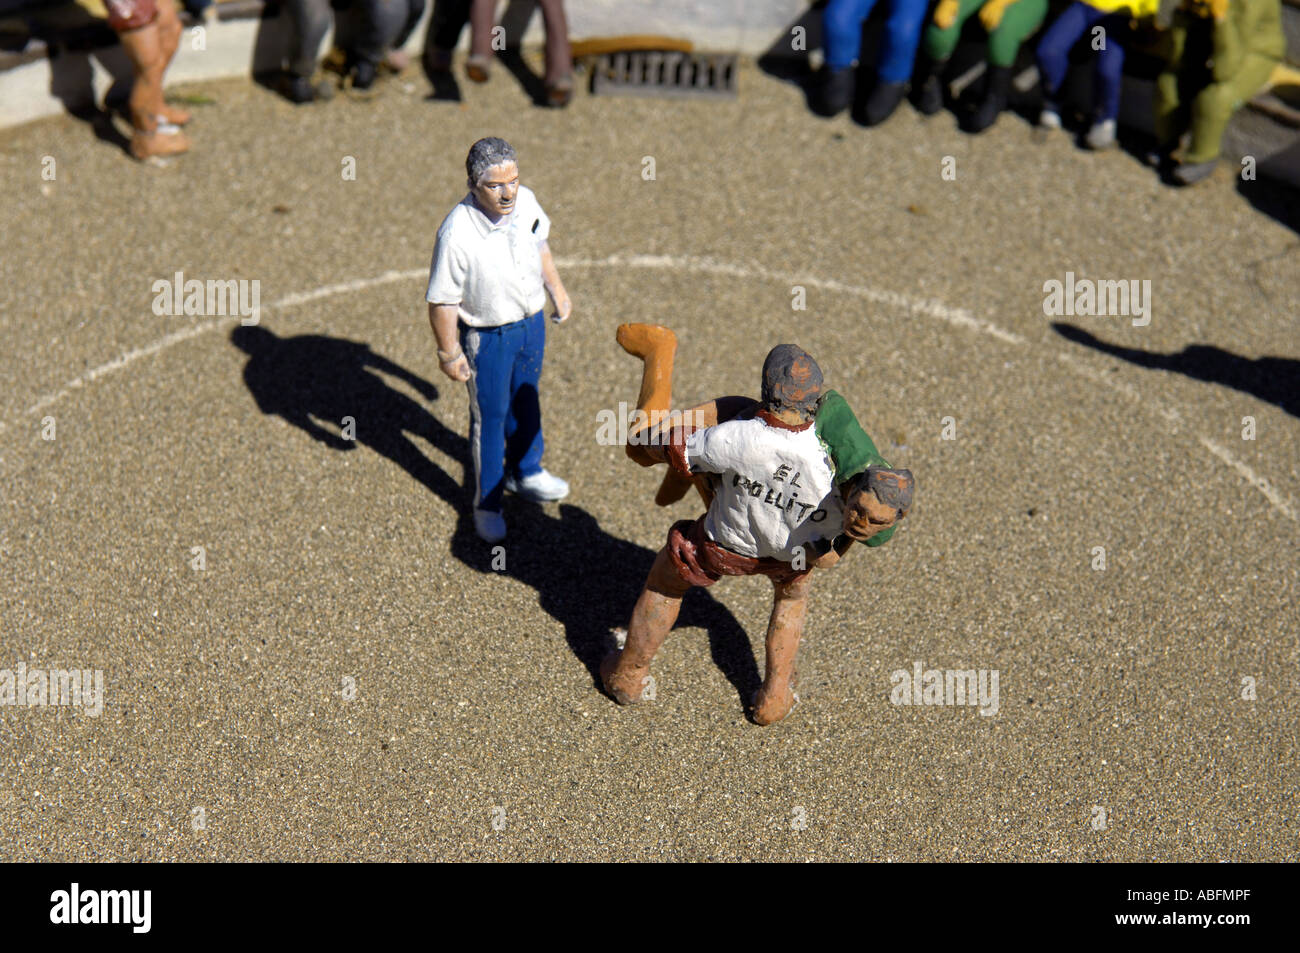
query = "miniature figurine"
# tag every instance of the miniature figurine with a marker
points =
(842, 26)
(790, 483)
(559, 57)
(1219, 54)
(491, 271)
(1107, 24)
(150, 32)
(1008, 24)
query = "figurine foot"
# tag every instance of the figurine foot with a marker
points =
(640, 340)
(772, 705)
(175, 115)
(834, 93)
(478, 67)
(1191, 173)
(490, 526)
(882, 102)
(542, 487)
(624, 684)
(164, 140)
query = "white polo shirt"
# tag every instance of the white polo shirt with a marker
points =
(493, 272)
(776, 489)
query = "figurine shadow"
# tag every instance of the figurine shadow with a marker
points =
(76, 42)
(586, 579)
(1272, 379)
(1269, 193)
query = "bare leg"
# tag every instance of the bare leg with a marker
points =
(559, 56)
(775, 698)
(482, 18)
(656, 346)
(169, 38)
(144, 47)
(624, 673)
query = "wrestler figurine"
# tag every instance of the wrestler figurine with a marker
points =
(790, 482)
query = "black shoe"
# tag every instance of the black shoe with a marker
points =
(927, 90)
(363, 75)
(994, 101)
(298, 89)
(445, 86)
(882, 102)
(834, 91)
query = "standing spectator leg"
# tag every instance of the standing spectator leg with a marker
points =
(559, 56)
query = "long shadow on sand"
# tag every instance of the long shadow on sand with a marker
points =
(586, 579)
(1274, 379)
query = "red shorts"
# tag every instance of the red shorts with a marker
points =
(700, 561)
(126, 15)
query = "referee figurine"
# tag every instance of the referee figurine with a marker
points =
(488, 282)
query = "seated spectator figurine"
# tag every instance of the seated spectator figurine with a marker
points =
(790, 482)
(1105, 24)
(1218, 54)
(842, 27)
(1008, 23)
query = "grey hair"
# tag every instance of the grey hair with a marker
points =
(484, 155)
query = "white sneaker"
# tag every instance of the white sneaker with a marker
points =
(1049, 118)
(541, 487)
(490, 526)
(1102, 134)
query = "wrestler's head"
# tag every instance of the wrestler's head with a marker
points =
(493, 171)
(792, 382)
(876, 499)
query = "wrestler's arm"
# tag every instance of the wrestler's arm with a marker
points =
(703, 415)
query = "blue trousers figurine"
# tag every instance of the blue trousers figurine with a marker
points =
(842, 22)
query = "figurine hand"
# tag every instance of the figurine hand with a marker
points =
(457, 370)
(991, 14)
(563, 308)
(945, 14)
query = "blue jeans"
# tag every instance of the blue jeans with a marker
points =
(1054, 53)
(505, 413)
(842, 25)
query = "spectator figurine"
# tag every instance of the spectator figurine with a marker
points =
(1008, 24)
(370, 33)
(790, 482)
(842, 25)
(203, 10)
(150, 31)
(309, 21)
(492, 269)
(1218, 54)
(1105, 22)
(559, 56)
